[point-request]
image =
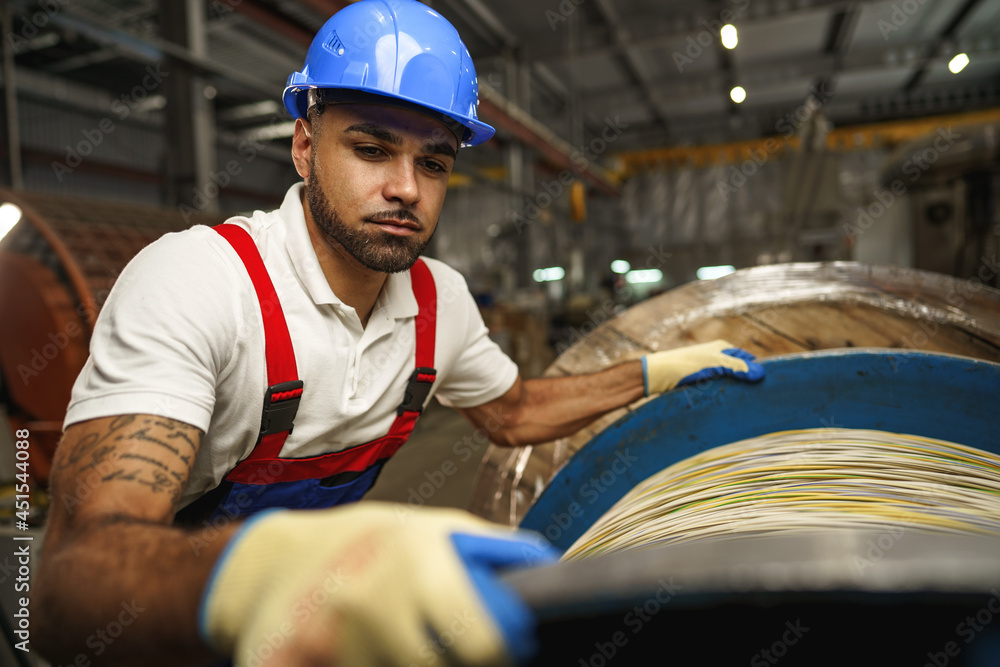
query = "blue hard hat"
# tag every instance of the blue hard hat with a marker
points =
(399, 49)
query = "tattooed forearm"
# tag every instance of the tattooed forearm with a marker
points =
(138, 451)
(156, 481)
(96, 442)
(144, 436)
(147, 459)
(160, 480)
(159, 474)
(181, 432)
(98, 456)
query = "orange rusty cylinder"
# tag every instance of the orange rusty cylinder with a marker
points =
(768, 310)
(57, 267)
(42, 348)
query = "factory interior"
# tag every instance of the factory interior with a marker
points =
(816, 182)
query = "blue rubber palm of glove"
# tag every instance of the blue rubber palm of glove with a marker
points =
(483, 558)
(753, 373)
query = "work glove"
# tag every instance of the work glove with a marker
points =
(370, 584)
(662, 371)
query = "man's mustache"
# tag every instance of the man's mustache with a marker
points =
(398, 214)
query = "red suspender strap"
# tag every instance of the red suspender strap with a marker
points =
(281, 401)
(419, 385)
(426, 294)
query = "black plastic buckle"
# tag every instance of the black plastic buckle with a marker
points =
(417, 391)
(279, 415)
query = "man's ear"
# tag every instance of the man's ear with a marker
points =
(302, 146)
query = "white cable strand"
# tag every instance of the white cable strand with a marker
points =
(806, 480)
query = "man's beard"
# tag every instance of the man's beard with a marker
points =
(374, 248)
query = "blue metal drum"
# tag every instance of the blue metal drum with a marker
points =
(797, 599)
(932, 395)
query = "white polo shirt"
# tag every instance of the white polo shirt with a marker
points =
(181, 336)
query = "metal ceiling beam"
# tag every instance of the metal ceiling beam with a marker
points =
(850, 137)
(552, 82)
(40, 43)
(190, 124)
(726, 69)
(805, 66)
(327, 7)
(489, 20)
(44, 158)
(495, 30)
(502, 112)
(462, 11)
(82, 60)
(622, 39)
(151, 50)
(492, 21)
(842, 109)
(250, 111)
(985, 90)
(12, 128)
(932, 50)
(48, 89)
(840, 32)
(550, 50)
(277, 22)
(530, 131)
(55, 90)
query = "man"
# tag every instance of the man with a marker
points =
(323, 310)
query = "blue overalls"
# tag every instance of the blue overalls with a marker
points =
(264, 480)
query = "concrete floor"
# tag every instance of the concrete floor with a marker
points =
(437, 466)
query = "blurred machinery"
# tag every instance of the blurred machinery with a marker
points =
(953, 176)
(57, 266)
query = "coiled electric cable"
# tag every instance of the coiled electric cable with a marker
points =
(807, 480)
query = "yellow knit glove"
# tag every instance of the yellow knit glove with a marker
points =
(368, 584)
(662, 371)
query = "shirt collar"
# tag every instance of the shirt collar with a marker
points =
(396, 299)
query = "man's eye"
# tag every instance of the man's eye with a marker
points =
(436, 167)
(369, 151)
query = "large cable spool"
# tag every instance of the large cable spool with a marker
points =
(900, 590)
(945, 397)
(57, 267)
(768, 310)
(842, 347)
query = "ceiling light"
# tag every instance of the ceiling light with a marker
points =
(738, 94)
(644, 276)
(713, 272)
(620, 266)
(729, 38)
(10, 215)
(548, 275)
(958, 63)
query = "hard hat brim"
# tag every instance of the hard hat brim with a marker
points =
(295, 99)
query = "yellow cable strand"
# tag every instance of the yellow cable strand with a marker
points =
(805, 480)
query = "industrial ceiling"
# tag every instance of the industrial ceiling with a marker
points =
(559, 72)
